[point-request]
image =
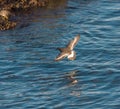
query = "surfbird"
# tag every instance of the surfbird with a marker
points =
(68, 50)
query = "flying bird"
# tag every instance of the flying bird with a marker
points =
(68, 50)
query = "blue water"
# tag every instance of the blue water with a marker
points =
(31, 79)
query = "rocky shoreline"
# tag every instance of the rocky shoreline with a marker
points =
(14, 6)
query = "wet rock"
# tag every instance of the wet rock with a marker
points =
(5, 24)
(7, 6)
(5, 13)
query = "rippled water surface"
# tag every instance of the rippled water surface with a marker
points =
(31, 79)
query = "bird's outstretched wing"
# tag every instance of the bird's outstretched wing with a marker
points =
(61, 56)
(73, 42)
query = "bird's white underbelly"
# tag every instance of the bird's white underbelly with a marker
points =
(71, 55)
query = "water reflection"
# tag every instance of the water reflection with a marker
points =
(71, 85)
(57, 4)
(71, 76)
